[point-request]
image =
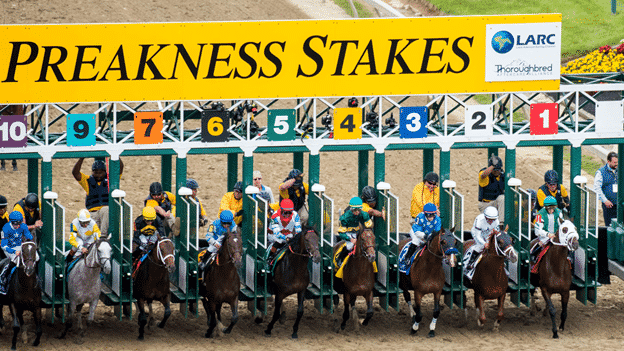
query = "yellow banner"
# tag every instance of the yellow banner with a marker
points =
(232, 60)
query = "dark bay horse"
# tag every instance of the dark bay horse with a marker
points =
(221, 282)
(84, 284)
(152, 282)
(554, 272)
(426, 275)
(358, 277)
(490, 280)
(24, 294)
(291, 275)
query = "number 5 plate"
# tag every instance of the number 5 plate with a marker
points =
(478, 120)
(281, 125)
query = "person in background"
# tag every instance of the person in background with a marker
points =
(492, 187)
(606, 186)
(4, 215)
(369, 203)
(295, 189)
(265, 192)
(13, 163)
(163, 203)
(194, 186)
(233, 201)
(30, 208)
(554, 189)
(425, 192)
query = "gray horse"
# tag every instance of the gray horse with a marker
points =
(83, 283)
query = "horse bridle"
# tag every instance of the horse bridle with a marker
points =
(98, 262)
(229, 254)
(307, 254)
(445, 253)
(497, 247)
(21, 256)
(159, 254)
(568, 242)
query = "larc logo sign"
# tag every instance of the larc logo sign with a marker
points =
(503, 42)
(539, 39)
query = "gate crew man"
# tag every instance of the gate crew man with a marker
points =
(554, 189)
(605, 185)
(30, 208)
(369, 202)
(295, 189)
(163, 203)
(425, 192)
(233, 201)
(492, 186)
(4, 215)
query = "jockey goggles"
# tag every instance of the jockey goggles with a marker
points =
(16, 223)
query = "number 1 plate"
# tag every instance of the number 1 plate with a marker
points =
(544, 118)
(81, 129)
(348, 123)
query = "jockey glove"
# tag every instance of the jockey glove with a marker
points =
(239, 213)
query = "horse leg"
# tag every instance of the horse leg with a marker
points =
(38, 329)
(219, 324)
(142, 318)
(70, 318)
(166, 302)
(276, 314)
(299, 314)
(417, 313)
(369, 308)
(551, 310)
(565, 296)
(436, 314)
(501, 309)
(20, 315)
(212, 319)
(479, 302)
(355, 318)
(234, 307)
(79, 319)
(150, 316)
(92, 306)
(345, 315)
(16, 327)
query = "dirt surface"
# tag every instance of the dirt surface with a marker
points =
(598, 327)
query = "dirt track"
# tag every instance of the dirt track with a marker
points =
(598, 327)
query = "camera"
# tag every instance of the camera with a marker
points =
(390, 121)
(326, 120)
(353, 102)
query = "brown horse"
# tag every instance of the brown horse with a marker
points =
(490, 280)
(554, 272)
(291, 274)
(152, 282)
(358, 276)
(221, 282)
(24, 294)
(426, 275)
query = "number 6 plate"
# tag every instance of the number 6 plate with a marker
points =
(478, 120)
(214, 126)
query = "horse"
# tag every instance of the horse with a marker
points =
(358, 276)
(426, 275)
(221, 282)
(84, 284)
(555, 271)
(24, 294)
(490, 280)
(152, 282)
(291, 275)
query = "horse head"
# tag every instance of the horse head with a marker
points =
(447, 245)
(366, 241)
(164, 253)
(235, 248)
(311, 241)
(28, 257)
(504, 244)
(104, 252)
(567, 235)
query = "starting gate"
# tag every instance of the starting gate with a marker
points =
(387, 239)
(52, 252)
(585, 279)
(520, 227)
(454, 289)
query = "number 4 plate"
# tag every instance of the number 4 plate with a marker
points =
(479, 120)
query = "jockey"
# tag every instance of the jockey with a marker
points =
(147, 228)
(84, 232)
(427, 222)
(216, 233)
(13, 233)
(193, 185)
(546, 224)
(484, 225)
(233, 201)
(350, 222)
(285, 223)
(163, 202)
(369, 199)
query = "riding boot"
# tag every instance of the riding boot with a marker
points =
(410, 252)
(473, 258)
(571, 258)
(70, 257)
(4, 277)
(535, 252)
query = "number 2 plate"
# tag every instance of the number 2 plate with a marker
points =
(478, 120)
(148, 127)
(348, 123)
(81, 129)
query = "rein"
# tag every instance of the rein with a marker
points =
(499, 251)
(229, 252)
(98, 263)
(21, 256)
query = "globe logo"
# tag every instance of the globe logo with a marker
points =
(502, 42)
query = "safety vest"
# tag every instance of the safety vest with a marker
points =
(494, 188)
(298, 201)
(608, 179)
(165, 204)
(28, 218)
(557, 196)
(98, 193)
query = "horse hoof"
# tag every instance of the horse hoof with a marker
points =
(36, 343)
(226, 330)
(161, 325)
(267, 333)
(208, 335)
(258, 320)
(141, 338)
(413, 332)
(295, 336)
(431, 334)
(555, 336)
(79, 341)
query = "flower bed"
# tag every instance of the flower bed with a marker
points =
(603, 60)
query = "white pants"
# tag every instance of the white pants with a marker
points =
(13, 256)
(351, 235)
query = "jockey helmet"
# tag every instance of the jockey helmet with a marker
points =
(430, 208)
(551, 177)
(496, 162)
(238, 187)
(156, 188)
(16, 216)
(369, 194)
(98, 165)
(3, 201)
(550, 201)
(192, 184)
(491, 213)
(432, 177)
(294, 174)
(355, 203)
(287, 205)
(226, 216)
(31, 200)
(533, 195)
(149, 213)
(84, 216)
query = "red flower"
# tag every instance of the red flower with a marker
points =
(605, 49)
(620, 49)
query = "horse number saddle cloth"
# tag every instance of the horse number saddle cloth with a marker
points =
(535, 266)
(405, 263)
(339, 272)
(271, 263)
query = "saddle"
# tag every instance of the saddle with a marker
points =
(272, 262)
(406, 263)
(340, 265)
(136, 264)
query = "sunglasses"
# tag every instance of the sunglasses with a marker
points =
(432, 183)
(429, 214)
(159, 194)
(286, 213)
(257, 179)
(16, 223)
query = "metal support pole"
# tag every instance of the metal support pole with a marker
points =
(180, 173)
(33, 175)
(620, 194)
(46, 211)
(380, 168)
(298, 161)
(232, 166)
(314, 163)
(46, 177)
(510, 172)
(558, 161)
(445, 173)
(362, 170)
(247, 204)
(113, 208)
(427, 161)
(575, 193)
(166, 165)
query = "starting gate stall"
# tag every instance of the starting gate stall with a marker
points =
(322, 220)
(585, 278)
(185, 278)
(117, 286)
(520, 228)
(52, 255)
(254, 287)
(454, 289)
(387, 240)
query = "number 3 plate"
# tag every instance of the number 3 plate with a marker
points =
(479, 120)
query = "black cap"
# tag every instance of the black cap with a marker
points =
(3, 201)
